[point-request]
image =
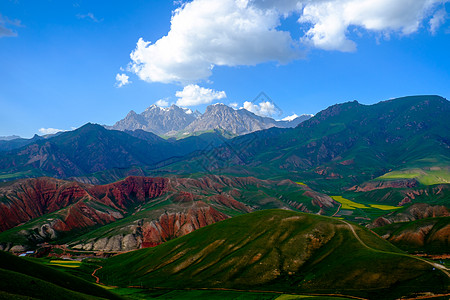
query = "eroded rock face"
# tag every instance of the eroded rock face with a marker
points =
(384, 184)
(84, 205)
(430, 237)
(189, 204)
(149, 233)
(414, 212)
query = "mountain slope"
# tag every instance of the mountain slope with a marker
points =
(88, 149)
(344, 145)
(431, 235)
(22, 279)
(283, 251)
(150, 210)
(158, 120)
(237, 122)
(15, 143)
(181, 122)
(92, 148)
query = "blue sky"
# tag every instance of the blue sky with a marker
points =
(59, 59)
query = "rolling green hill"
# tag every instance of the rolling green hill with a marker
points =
(23, 279)
(278, 250)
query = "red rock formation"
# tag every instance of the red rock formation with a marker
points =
(84, 205)
(194, 203)
(416, 211)
(172, 225)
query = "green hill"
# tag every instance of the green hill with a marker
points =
(278, 250)
(23, 279)
(343, 145)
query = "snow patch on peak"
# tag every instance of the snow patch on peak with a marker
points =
(188, 111)
(151, 107)
(290, 118)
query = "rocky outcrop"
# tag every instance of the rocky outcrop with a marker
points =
(384, 184)
(174, 120)
(237, 121)
(431, 236)
(149, 233)
(414, 212)
(157, 120)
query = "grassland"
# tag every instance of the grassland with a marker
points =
(277, 250)
(348, 204)
(207, 294)
(384, 207)
(25, 279)
(426, 177)
(65, 263)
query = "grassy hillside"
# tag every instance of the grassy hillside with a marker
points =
(277, 250)
(23, 279)
(343, 145)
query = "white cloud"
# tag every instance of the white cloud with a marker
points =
(89, 16)
(437, 20)
(162, 103)
(121, 80)
(193, 95)
(45, 131)
(234, 105)
(290, 118)
(263, 109)
(204, 33)
(330, 19)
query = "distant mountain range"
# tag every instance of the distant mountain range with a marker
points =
(92, 148)
(193, 200)
(342, 146)
(158, 120)
(8, 138)
(177, 121)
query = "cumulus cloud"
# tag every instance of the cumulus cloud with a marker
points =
(437, 20)
(193, 95)
(45, 131)
(263, 109)
(330, 19)
(121, 80)
(162, 103)
(204, 33)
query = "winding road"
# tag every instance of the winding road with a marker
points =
(434, 265)
(97, 280)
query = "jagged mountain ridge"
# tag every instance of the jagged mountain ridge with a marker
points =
(236, 121)
(157, 119)
(175, 120)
